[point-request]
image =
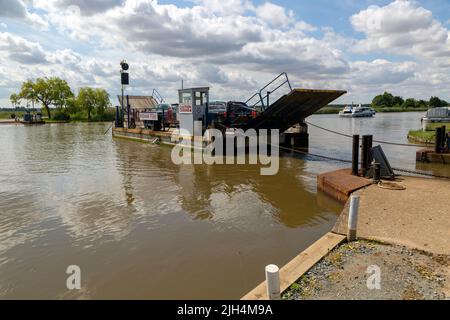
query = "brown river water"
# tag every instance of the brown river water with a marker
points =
(141, 227)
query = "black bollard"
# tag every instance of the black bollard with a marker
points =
(355, 155)
(444, 132)
(438, 141)
(366, 146)
(370, 145)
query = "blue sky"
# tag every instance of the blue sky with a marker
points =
(234, 46)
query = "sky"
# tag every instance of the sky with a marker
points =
(234, 46)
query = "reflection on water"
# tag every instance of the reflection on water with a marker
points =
(142, 227)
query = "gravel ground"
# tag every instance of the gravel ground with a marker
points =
(405, 274)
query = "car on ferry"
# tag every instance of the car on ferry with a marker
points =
(239, 113)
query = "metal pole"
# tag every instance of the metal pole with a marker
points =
(273, 282)
(163, 125)
(355, 155)
(353, 218)
(122, 111)
(128, 112)
(376, 172)
(268, 98)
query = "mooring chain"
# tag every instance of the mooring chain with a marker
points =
(349, 161)
(420, 173)
(378, 141)
(314, 155)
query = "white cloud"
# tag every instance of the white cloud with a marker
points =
(275, 15)
(401, 27)
(21, 50)
(16, 9)
(381, 72)
(223, 8)
(233, 46)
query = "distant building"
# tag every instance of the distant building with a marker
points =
(138, 104)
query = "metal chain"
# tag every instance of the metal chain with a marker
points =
(315, 155)
(378, 141)
(420, 173)
(349, 161)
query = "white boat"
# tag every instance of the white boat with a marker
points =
(436, 117)
(357, 112)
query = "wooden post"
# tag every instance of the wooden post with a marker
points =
(273, 282)
(353, 218)
(355, 155)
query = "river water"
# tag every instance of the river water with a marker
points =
(141, 227)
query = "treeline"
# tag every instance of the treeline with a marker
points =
(60, 103)
(388, 100)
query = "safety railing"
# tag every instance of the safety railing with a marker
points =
(157, 96)
(264, 100)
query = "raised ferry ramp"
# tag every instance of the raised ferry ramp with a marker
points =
(289, 109)
(293, 108)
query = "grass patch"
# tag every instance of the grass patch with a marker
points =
(329, 110)
(394, 109)
(433, 126)
(422, 136)
(7, 114)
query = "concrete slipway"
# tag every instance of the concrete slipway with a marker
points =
(417, 217)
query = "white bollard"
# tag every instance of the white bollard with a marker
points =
(273, 282)
(353, 218)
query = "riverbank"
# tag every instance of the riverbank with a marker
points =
(405, 274)
(420, 136)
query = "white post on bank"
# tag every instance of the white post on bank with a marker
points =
(353, 218)
(273, 282)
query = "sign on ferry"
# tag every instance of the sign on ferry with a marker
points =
(152, 116)
(185, 108)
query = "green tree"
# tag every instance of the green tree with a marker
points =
(15, 100)
(435, 102)
(48, 91)
(72, 106)
(409, 103)
(386, 100)
(398, 101)
(102, 101)
(421, 104)
(91, 100)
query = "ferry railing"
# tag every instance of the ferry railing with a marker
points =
(264, 100)
(157, 96)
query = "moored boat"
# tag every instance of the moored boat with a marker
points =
(357, 112)
(30, 119)
(436, 117)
